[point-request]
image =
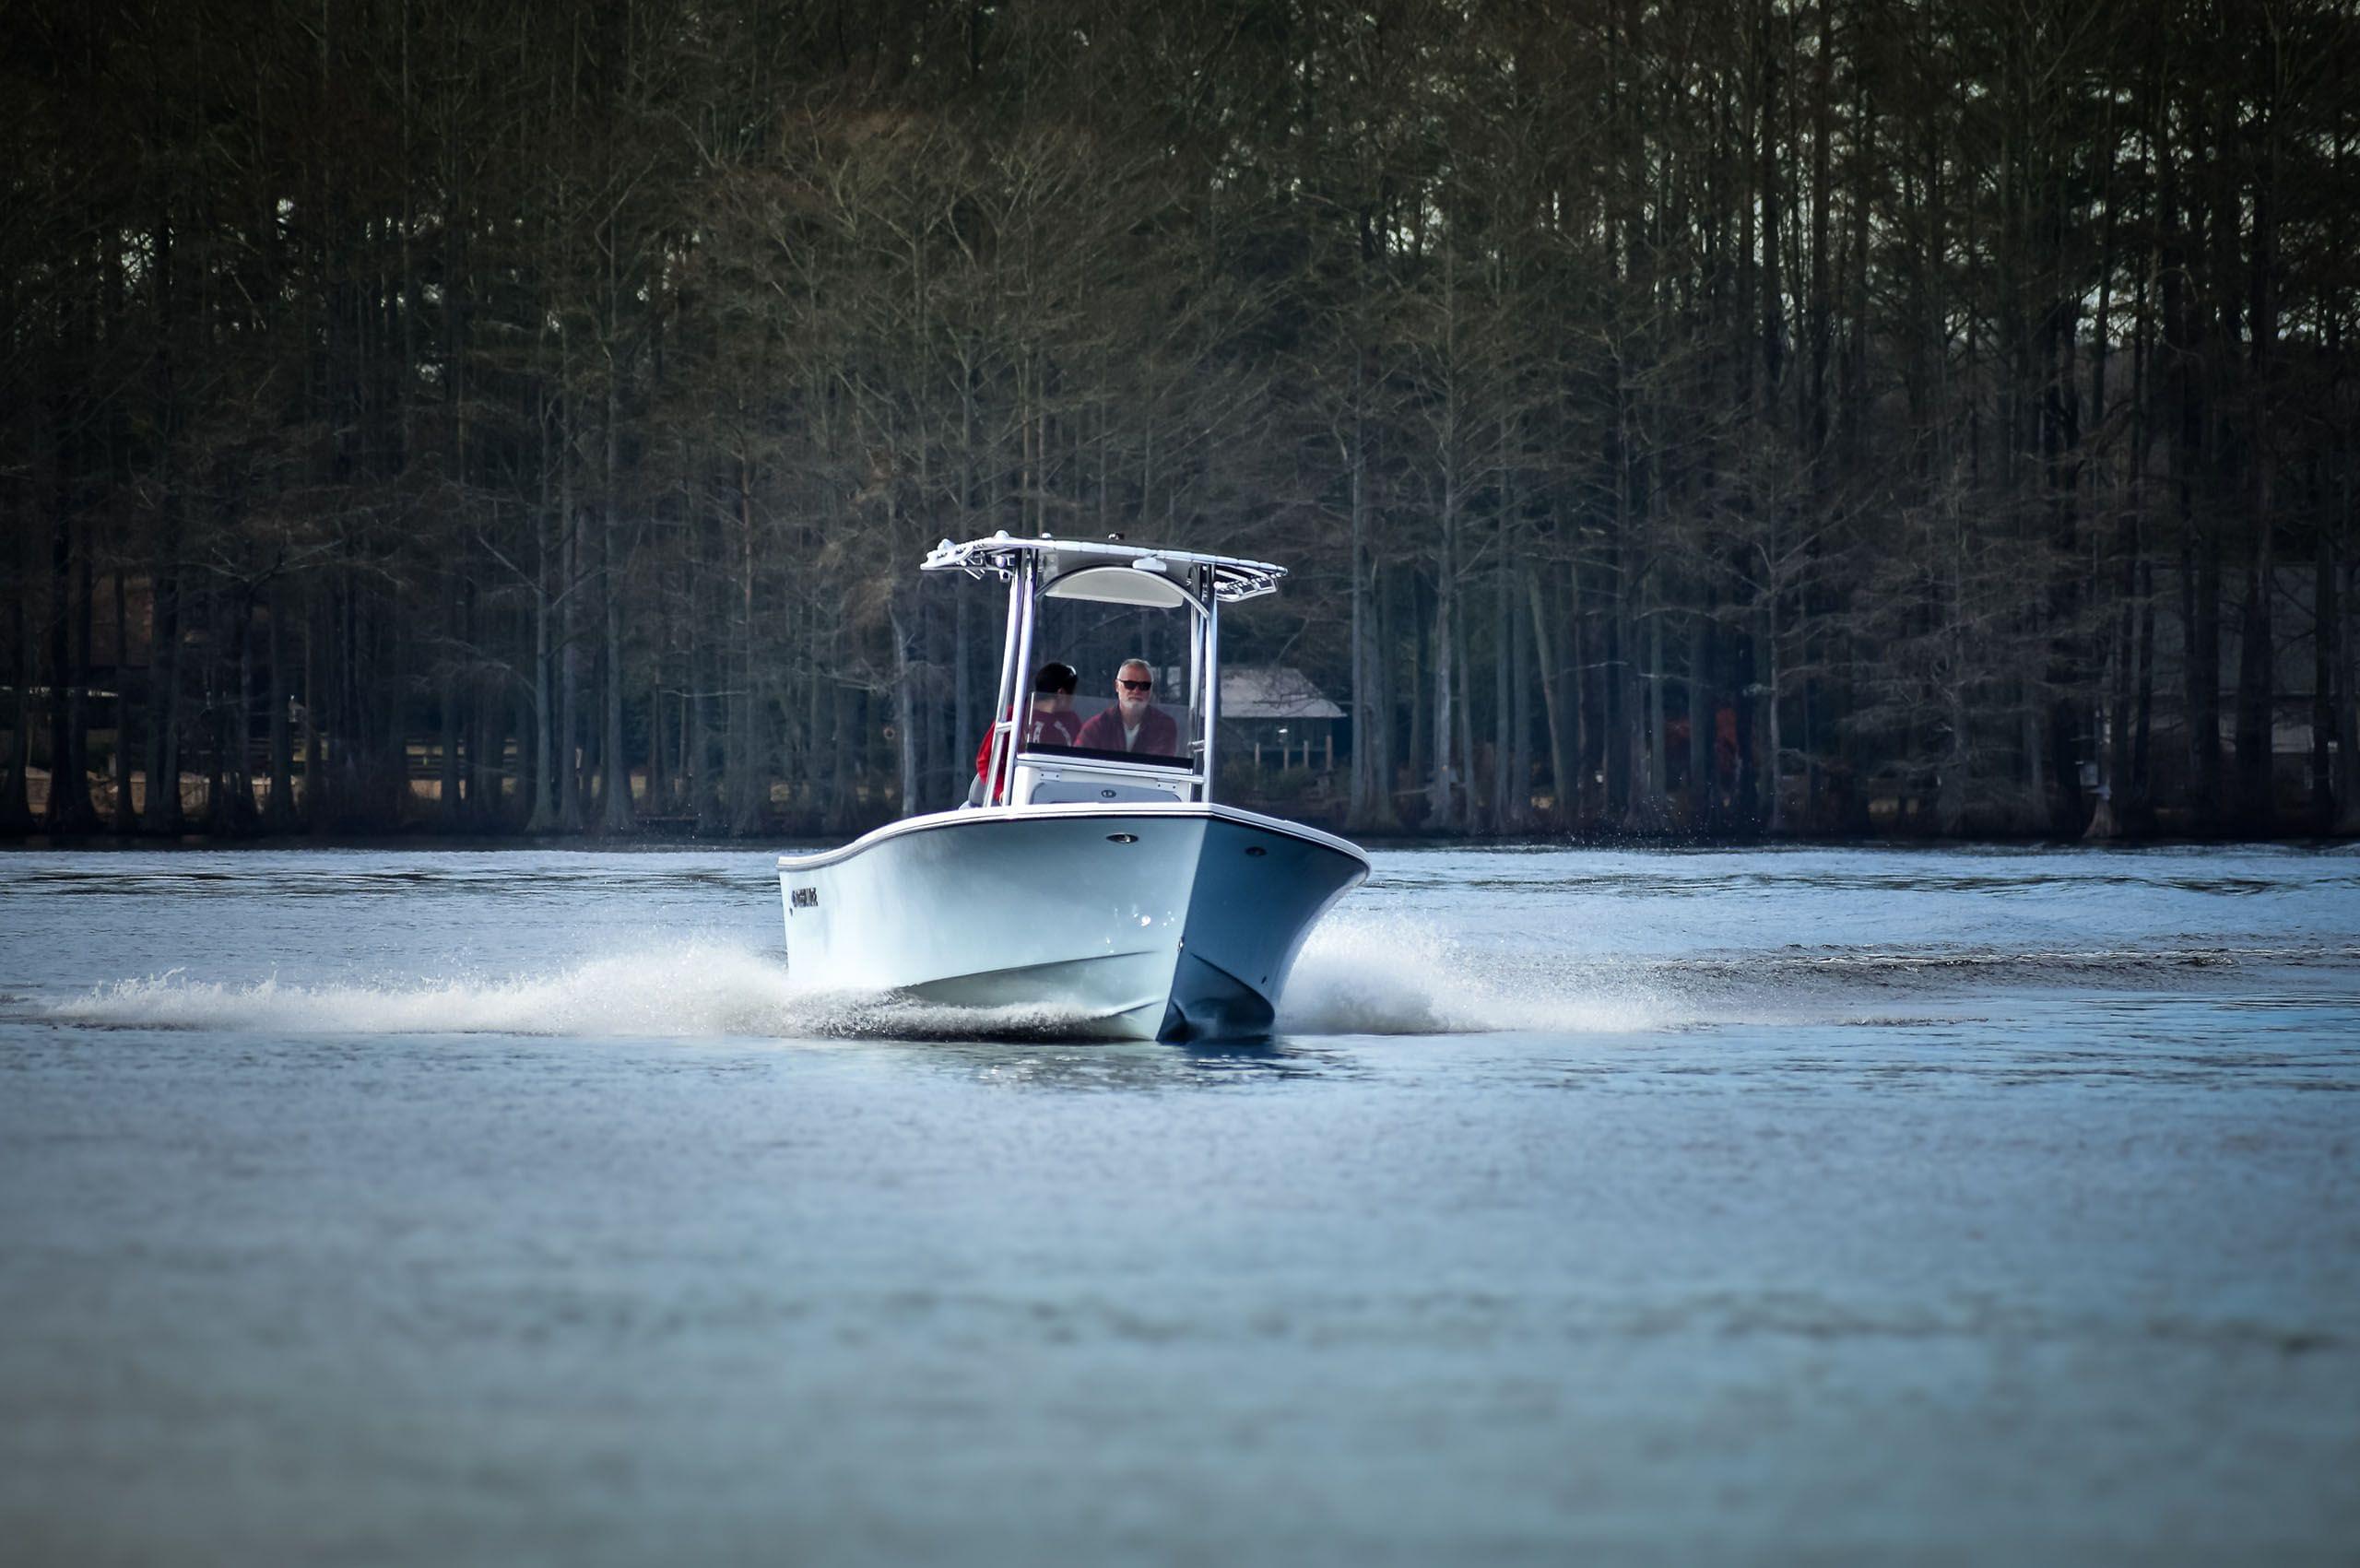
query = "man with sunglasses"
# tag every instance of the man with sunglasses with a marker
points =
(1134, 724)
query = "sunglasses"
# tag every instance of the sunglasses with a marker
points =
(1137, 685)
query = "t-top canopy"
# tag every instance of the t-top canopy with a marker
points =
(1233, 578)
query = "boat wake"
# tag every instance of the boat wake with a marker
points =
(690, 992)
(1372, 973)
(1373, 976)
(1379, 974)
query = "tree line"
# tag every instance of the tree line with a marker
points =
(1730, 417)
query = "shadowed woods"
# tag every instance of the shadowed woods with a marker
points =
(1754, 416)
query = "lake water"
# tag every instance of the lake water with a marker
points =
(1815, 1205)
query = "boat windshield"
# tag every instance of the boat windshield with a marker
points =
(1134, 696)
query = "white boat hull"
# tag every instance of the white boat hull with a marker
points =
(1137, 921)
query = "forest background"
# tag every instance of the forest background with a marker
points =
(1714, 418)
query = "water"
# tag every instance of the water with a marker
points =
(1816, 1206)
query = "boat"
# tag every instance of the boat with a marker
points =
(1091, 886)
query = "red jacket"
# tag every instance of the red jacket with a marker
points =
(1046, 729)
(1158, 733)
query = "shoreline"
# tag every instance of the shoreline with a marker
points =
(675, 843)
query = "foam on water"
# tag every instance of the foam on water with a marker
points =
(689, 991)
(1373, 971)
(1373, 974)
(1388, 973)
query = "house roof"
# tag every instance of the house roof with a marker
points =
(1272, 691)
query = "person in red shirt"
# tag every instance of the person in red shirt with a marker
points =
(1134, 724)
(1051, 722)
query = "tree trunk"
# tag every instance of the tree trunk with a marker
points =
(1445, 727)
(2203, 612)
(1420, 654)
(2323, 620)
(69, 785)
(2143, 721)
(212, 714)
(16, 796)
(567, 778)
(85, 613)
(904, 718)
(232, 808)
(1659, 767)
(2105, 813)
(2257, 687)
(1585, 721)
(278, 807)
(1515, 633)
(1565, 773)
(2256, 659)
(314, 774)
(1466, 730)
(1371, 799)
(1503, 810)
(543, 817)
(1636, 689)
(616, 815)
(747, 791)
(1703, 801)
(1773, 765)
(2347, 663)
(488, 752)
(963, 730)
(660, 801)
(704, 799)
(125, 818)
(448, 809)
(238, 732)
